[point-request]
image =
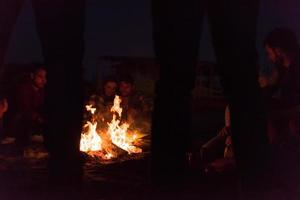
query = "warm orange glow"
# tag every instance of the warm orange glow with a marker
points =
(100, 143)
(90, 108)
(120, 136)
(116, 107)
(90, 141)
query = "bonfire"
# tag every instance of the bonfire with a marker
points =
(110, 141)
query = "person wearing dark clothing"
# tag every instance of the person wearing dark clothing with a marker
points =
(131, 100)
(176, 34)
(283, 51)
(103, 101)
(288, 86)
(30, 98)
(110, 87)
(282, 48)
(105, 97)
(60, 26)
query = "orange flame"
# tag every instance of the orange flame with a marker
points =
(116, 107)
(90, 108)
(118, 133)
(120, 137)
(90, 141)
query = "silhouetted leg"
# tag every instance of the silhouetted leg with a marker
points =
(176, 39)
(60, 24)
(10, 10)
(233, 25)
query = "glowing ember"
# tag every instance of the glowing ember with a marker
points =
(108, 156)
(100, 143)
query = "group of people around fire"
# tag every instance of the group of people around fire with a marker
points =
(136, 107)
(23, 108)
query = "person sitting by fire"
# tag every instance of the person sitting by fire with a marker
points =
(283, 51)
(222, 142)
(269, 83)
(104, 97)
(218, 151)
(133, 103)
(103, 101)
(28, 117)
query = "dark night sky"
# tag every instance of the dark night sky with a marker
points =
(122, 28)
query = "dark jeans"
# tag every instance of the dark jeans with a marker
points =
(177, 31)
(60, 26)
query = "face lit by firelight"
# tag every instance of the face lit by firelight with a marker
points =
(126, 89)
(110, 88)
(274, 55)
(40, 78)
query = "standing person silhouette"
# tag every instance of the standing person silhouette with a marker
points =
(176, 35)
(60, 26)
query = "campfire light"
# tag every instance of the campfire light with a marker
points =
(120, 137)
(90, 141)
(116, 107)
(99, 143)
(90, 108)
